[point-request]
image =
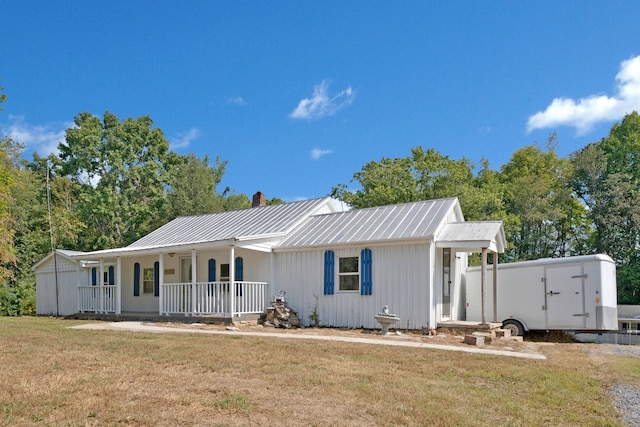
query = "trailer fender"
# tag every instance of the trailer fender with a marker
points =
(518, 327)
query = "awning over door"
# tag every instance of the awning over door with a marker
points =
(473, 236)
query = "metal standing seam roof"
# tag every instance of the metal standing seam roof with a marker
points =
(245, 223)
(418, 220)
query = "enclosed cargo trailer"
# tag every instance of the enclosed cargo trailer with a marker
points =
(573, 293)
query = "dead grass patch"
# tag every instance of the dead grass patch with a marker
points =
(50, 375)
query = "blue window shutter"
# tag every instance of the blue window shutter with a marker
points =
(329, 270)
(366, 285)
(239, 274)
(156, 279)
(112, 280)
(212, 270)
(136, 279)
(94, 276)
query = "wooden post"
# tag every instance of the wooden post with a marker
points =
(193, 282)
(483, 285)
(160, 283)
(100, 286)
(495, 287)
(232, 283)
(118, 285)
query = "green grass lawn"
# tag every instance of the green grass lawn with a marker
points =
(52, 375)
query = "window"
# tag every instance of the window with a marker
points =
(224, 272)
(349, 274)
(147, 281)
(354, 273)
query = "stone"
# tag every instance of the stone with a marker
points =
(502, 333)
(474, 340)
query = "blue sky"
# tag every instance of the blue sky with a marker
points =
(298, 96)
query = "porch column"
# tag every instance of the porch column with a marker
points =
(495, 287)
(118, 285)
(232, 282)
(193, 281)
(100, 284)
(272, 277)
(483, 285)
(160, 283)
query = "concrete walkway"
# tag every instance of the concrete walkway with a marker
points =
(390, 341)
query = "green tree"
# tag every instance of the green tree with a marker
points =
(426, 175)
(546, 220)
(192, 186)
(607, 180)
(120, 167)
(17, 285)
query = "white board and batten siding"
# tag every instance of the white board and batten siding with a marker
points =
(64, 301)
(401, 279)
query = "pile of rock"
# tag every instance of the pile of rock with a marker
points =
(279, 315)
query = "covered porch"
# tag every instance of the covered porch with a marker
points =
(223, 281)
(485, 237)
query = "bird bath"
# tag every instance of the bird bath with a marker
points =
(386, 320)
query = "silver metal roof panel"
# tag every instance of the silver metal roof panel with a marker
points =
(241, 224)
(418, 220)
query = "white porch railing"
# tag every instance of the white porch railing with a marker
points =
(212, 298)
(97, 299)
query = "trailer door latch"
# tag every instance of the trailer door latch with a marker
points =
(580, 276)
(581, 315)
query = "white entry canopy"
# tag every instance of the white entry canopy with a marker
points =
(469, 236)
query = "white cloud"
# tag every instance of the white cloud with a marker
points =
(43, 139)
(321, 104)
(238, 100)
(183, 139)
(316, 153)
(585, 112)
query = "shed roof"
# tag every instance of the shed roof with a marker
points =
(418, 220)
(64, 252)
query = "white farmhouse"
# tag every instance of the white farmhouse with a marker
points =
(339, 267)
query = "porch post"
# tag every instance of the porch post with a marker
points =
(193, 281)
(495, 287)
(483, 285)
(118, 285)
(272, 277)
(100, 284)
(232, 284)
(160, 282)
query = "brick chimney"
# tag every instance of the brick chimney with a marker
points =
(258, 200)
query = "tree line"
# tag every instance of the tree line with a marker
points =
(111, 182)
(114, 180)
(551, 206)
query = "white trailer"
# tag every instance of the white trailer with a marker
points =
(574, 294)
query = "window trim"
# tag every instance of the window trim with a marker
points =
(146, 281)
(340, 274)
(222, 268)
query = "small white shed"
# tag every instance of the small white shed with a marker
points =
(57, 277)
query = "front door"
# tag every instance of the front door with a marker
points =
(564, 295)
(446, 283)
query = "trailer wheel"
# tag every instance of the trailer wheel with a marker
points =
(516, 328)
